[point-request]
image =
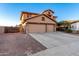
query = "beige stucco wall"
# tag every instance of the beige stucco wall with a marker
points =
(39, 20)
(33, 15)
(1, 29)
(25, 16)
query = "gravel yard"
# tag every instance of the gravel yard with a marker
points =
(18, 44)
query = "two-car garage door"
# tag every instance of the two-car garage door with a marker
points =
(40, 28)
(36, 27)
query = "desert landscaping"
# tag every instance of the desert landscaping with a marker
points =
(18, 44)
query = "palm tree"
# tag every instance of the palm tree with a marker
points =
(67, 24)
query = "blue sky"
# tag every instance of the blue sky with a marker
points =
(10, 12)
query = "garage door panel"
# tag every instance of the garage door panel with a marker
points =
(36, 27)
(50, 28)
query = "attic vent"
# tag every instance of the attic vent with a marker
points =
(43, 18)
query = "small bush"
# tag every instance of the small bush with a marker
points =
(77, 31)
(68, 31)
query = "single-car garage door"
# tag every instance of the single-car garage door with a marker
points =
(36, 28)
(50, 28)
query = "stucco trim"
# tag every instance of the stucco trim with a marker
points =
(39, 23)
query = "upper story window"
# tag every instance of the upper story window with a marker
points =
(43, 18)
(28, 15)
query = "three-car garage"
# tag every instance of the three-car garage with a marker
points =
(41, 28)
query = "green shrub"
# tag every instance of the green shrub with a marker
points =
(68, 31)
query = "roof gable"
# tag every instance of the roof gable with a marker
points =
(39, 19)
(41, 15)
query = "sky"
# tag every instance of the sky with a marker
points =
(10, 12)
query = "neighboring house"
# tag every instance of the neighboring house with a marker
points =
(75, 26)
(64, 25)
(33, 22)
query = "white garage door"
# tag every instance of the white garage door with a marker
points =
(36, 28)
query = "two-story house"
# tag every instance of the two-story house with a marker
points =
(33, 22)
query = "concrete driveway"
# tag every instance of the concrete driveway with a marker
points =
(58, 44)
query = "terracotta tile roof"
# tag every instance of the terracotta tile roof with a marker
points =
(49, 10)
(30, 13)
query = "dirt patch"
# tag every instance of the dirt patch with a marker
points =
(77, 34)
(18, 44)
